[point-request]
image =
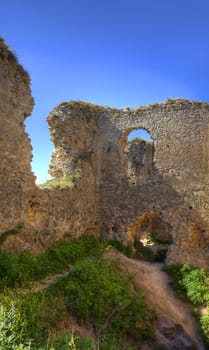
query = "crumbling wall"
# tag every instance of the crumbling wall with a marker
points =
(169, 199)
(16, 103)
(31, 218)
(140, 155)
(178, 188)
(173, 184)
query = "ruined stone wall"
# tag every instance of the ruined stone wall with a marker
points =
(139, 154)
(31, 218)
(172, 202)
(178, 188)
(16, 103)
(91, 144)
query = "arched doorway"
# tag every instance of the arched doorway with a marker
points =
(139, 152)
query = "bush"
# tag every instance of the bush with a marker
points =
(11, 333)
(192, 284)
(16, 269)
(97, 291)
(127, 250)
(67, 340)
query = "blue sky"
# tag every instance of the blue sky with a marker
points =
(111, 52)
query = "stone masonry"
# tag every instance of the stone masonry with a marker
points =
(170, 198)
(122, 189)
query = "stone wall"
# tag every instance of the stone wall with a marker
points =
(31, 218)
(173, 199)
(140, 161)
(169, 198)
(16, 103)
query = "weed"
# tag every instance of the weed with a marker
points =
(63, 183)
(17, 269)
(96, 291)
(127, 250)
(192, 284)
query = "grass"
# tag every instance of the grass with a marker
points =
(95, 291)
(15, 270)
(63, 183)
(192, 284)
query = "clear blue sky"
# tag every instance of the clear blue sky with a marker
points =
(110, 52)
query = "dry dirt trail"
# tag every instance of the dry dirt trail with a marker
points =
(155, 285)
(175, 328)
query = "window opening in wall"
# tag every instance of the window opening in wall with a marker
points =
(139, 151)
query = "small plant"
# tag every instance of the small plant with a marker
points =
(153, 240)
(192, 284)
(17, 269)
(97, 292)
(11, 334)
(127, 250)
(62, 183)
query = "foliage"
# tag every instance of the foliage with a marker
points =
(139, 251)
(204, 324)
(98, 292)
(16, 269)
(95, 291)
(11, 333)
(153, 240)
(68, 340)
(35, 313)
(192, 284)
(63, 183)
(127, 250)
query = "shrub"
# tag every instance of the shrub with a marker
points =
(16, 269)
(125, 249)
(204, 323)
(11, 333)
(63, 183)
(192, 284)
(97, 291)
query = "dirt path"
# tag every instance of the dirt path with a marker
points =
(155, 285)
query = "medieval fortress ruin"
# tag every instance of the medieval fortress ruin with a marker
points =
(121, 189)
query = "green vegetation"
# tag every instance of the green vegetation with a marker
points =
(192, 284)
(63, 183)
(17, 269)
(98, 293)
(127, 250)
(138, 251)
(153, 240)
(94, 291)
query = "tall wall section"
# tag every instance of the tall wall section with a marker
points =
(16, 103)
(169, 198)
(173, 200)
(31, 218)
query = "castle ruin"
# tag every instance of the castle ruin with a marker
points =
(121, 189)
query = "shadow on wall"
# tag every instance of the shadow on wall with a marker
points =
(138, 203)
